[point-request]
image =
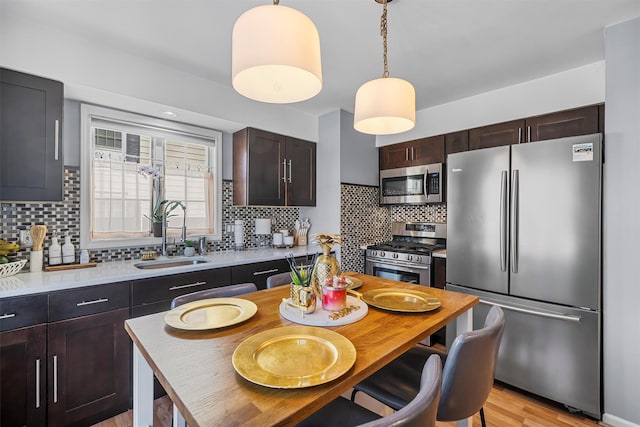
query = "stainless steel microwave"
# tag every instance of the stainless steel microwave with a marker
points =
(413, 185)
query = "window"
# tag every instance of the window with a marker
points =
(131, 163)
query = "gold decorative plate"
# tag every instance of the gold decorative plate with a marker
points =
(210, 313)
(404, 300)
(353, 282)
(294, 357)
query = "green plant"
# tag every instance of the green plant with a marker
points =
(300, 274)
(190, 243)
(158, 210)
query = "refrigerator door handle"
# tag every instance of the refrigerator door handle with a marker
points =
(503, 221)
(558, 316)
(514, 220)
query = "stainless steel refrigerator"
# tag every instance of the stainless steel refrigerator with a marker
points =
(524, 233)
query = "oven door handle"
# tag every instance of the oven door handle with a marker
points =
(395, 264)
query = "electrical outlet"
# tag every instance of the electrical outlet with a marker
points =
(25, 239)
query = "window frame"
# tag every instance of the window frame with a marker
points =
(87, 113)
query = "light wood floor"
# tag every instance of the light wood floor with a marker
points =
(505, 407)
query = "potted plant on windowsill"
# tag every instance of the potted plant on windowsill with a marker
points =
(189, 247)
(156, 217)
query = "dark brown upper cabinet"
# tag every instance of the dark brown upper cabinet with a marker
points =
(421, 151)
(456, 142)
(496, 135)
(273, 170)
(580, 121)
(31, 163)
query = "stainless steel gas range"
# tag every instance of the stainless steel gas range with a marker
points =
(407, 257)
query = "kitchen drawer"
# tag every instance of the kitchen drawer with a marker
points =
(155, 289)
(258, 272)
(19, 312)
(88, 300)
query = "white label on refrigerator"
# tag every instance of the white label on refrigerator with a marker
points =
(583, 152)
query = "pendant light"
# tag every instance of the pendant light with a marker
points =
(386, 105)
(275, 55)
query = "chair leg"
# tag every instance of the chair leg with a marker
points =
(484, 424)
(353, 395)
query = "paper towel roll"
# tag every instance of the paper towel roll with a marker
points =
(263, 225)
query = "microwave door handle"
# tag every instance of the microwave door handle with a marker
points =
(426, 182)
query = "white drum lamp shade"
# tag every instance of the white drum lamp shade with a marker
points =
(275, 55)
(385, 106)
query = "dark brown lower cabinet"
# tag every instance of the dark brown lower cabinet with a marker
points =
(88, 368)
(23, 353)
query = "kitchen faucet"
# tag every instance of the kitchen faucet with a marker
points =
(172, 204)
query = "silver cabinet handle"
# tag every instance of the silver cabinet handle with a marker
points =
(406, 154)
(37, 383)
(289, 171)
(528, 133)
(55, 379)
(413, 153)
(503, 221)
(95, 301)
(567, 317)
(284, 171)
(190, 285)
(519, 135)
(514, 220)
(56, 139)
(7, 316)
(258, 273)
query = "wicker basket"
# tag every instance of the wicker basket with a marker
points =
(11, 268)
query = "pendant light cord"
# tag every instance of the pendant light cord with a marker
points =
(383, 33)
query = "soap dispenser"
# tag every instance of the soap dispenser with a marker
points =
(68, 251)
(55, 252)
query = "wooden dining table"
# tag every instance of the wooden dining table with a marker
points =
(195, 367)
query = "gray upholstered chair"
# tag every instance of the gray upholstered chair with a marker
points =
(221, 292)
(279, 279)
(467, 377)
(420, 412)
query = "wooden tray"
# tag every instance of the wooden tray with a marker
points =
(69, 266)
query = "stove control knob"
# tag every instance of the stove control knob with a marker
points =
(395, 255)
(409, 257)
(381, 254)
(418, 258)
(372, 253)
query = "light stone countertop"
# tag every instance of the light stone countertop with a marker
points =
(26, 283)
(442, 253)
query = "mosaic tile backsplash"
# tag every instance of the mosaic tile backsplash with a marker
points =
(363, 221)
(64, 217)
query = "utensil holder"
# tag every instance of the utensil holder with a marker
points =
(35, 261)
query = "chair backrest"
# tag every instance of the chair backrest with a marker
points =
(279, 279)
(421, 411)
(468, 373)
(221, 292)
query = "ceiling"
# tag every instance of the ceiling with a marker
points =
(449, 49)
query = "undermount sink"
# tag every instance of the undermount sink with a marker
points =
(167, 263)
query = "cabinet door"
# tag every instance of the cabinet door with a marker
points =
(428, 150)
(396, 156)
(258, 168)
(89, 368)
(22, 376)
(31, 165)
(456, 142)
(581, 121)
(301, 172)
(506, 133)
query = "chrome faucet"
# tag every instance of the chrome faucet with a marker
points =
(172, 204)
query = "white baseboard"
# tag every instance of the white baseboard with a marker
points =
(617, 421)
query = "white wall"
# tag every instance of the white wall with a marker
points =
(621, 234)
(572, 88)
(325, 217)
(358, 154)
(98, 74)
